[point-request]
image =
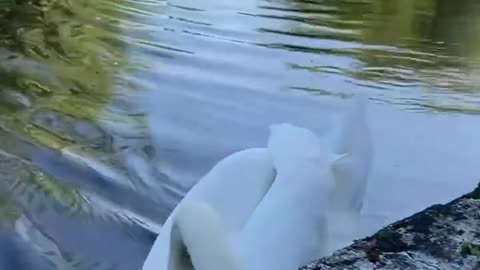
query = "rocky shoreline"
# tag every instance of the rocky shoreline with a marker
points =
(439, 237)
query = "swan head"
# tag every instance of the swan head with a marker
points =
(200, 240)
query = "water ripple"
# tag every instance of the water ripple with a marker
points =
(76, 76)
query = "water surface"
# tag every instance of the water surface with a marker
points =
(112, 110)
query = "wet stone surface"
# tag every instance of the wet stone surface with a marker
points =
(439, 237)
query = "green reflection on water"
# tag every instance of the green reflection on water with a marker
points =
(432, 45)
(57, 55)
(58, 63)
(64, 56)
(26, 186)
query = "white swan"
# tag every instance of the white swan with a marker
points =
(234, 187)
(286, 230)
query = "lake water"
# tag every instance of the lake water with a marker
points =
(111, 110)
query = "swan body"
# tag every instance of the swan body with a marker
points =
(233, 187)
(287, 228)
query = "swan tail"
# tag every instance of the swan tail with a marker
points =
(205, 239)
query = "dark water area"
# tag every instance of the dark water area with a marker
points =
(111, 110)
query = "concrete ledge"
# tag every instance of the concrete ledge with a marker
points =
(439, 237)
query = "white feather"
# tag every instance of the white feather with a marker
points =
(234, 187)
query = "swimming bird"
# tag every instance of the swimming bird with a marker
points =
(285, 231)
(241, 182)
